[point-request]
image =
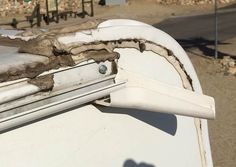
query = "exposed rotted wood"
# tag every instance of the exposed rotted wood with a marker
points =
(91, 24)
(59, 54)
(4, 41)
(97, 56)
(29, 71)
(45, 83)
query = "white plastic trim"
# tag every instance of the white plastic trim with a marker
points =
(40, 112)
(146, 94)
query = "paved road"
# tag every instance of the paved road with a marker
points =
(201, 26)
(199, 31)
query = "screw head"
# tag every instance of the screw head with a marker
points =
(102, 69)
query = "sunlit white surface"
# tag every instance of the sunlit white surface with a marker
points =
(88, 137)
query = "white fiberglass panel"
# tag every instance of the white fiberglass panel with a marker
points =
(155, 66)
(104, 137)
(88, 137)
(114, 137)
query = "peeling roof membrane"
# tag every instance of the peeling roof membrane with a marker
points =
(50, 52)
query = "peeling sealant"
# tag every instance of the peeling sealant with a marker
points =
(59, 54)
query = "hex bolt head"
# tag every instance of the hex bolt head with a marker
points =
(102, 69)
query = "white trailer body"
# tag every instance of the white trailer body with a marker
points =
(160, 130)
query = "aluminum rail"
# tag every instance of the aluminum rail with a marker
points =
(16, 91)
(56, 107)
(13, 90)
(124, 90)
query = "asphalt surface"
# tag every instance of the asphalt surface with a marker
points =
(199, 31)
(201, 26)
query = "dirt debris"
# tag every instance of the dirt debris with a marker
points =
(59, 54)
(97, 56)
(45, 83)
(44, 44)
(28, 71)
(30, 32)
(232, 70)
(228, 65)
(227, 61)
(4, 41)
